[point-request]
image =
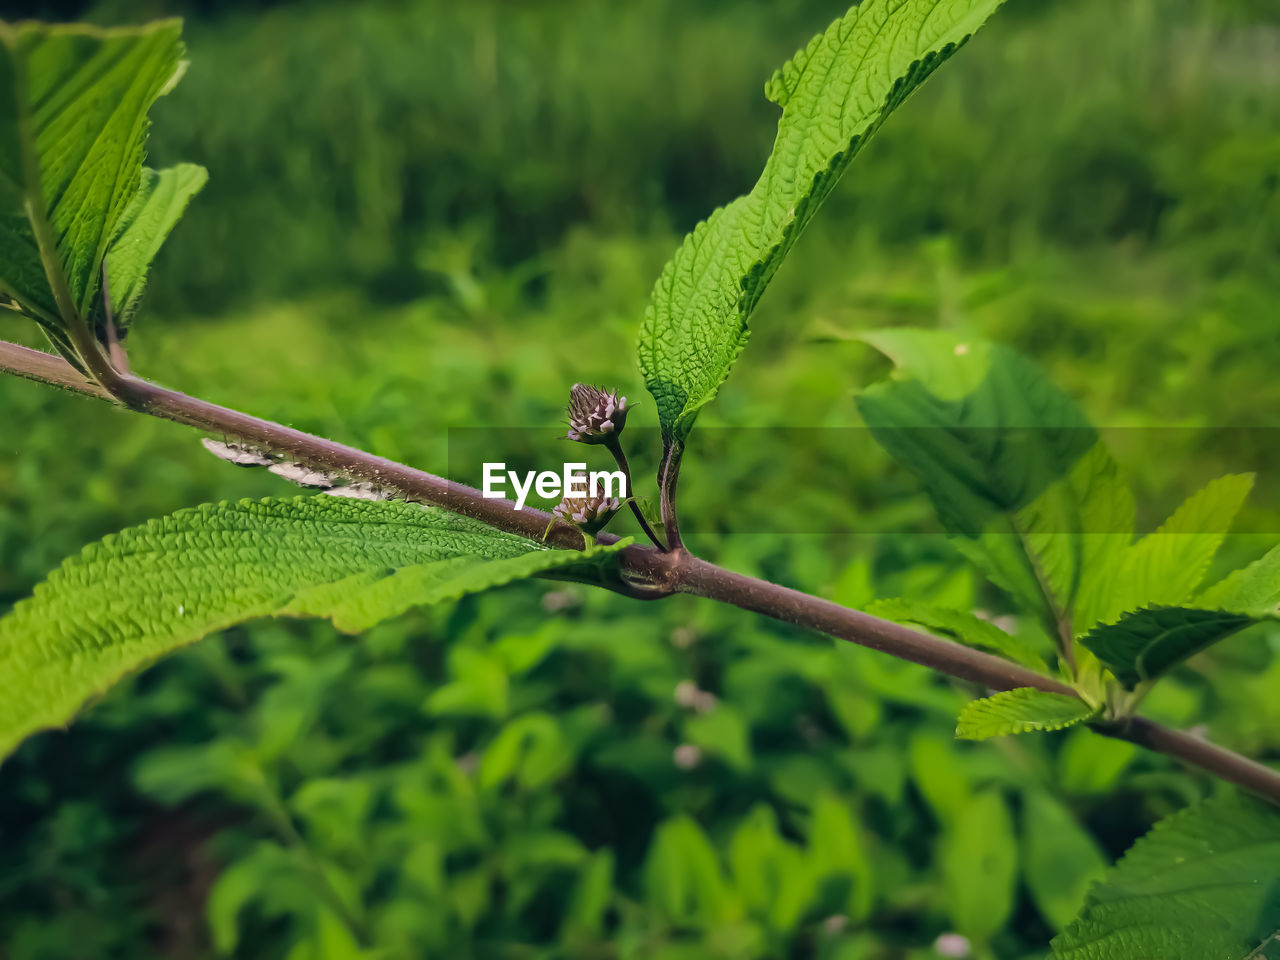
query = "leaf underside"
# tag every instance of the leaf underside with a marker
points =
(1202, 885)
(1144, 644)
(1023, 710)
(138, 594)
(835, 93)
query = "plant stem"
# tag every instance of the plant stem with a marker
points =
(646, 572)
(46, 368)
(700, 578)
(1226, 764)
(307, 449)
(615, 447)
(669, 478)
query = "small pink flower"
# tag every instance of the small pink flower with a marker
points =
(686, 693)
(687, 756)
(588, 514)
(952, 945)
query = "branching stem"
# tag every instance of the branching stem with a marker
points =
(646, 571)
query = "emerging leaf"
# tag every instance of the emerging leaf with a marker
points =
(1203, 884)
(1142, 645)
(139, 594)
(73, 106)
(835, 94)
(1023, 710)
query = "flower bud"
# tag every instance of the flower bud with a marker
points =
(595, 415)
(588, 514)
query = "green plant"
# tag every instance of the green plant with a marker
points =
(1016, 473)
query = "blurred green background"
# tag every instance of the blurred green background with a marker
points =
(428, 215)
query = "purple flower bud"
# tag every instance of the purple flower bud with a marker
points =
(595, 415)
(588, 514)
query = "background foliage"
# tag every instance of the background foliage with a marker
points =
(426, 215)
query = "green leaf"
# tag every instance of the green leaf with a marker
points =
(479, 685)
(1092, 765)
(939, 774)
(1019, 478)
(1142, 645)
(1060, 859)
(73, 124)
(172, 775)
(723, 733)
(157, 206)
(682, 876)
(1015, 471)
(959, 625)
(835, 94)
(268, 877)
(585, 915)
(1253, 589)
(979, 861)
(136, 595)
(336, 811)
(529, 750)
(836, 849)
(770, 874)
(1165, 567)
(1204, 884)
(1022, 710)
